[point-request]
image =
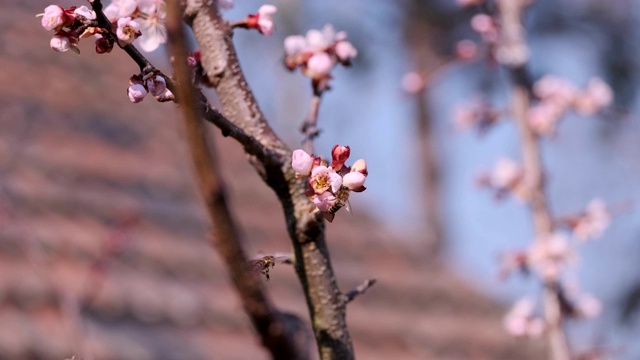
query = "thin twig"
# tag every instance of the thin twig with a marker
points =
(360, 289)
(227, 239)
(512, 42)
(309, 127)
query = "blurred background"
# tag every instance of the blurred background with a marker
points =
(103, 240)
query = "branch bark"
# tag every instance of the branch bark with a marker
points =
(270, 324)
(272, 160)
(512, 51)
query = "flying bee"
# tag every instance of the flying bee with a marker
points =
(266, 263)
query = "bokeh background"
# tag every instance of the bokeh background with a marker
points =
(103, 240)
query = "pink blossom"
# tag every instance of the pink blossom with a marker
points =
(295, 44)
(482, 23)
(120, 8)
(167, 95)
(152, 25)
(506, 174)
(320, 40)
(353, 180)
(157, 85)
(345, 51)
(136, 93)
(521, 321)
(413, 83)
(53, 18)
(128, 30)
(301, 162)
(319, 66)
(324, 179)
(544, 117)
(60, 43)
(549, 255)
(596, 96)
(466, 50)
(360, 166)
(589, 306)
(556, 90)
(265, 20)
(595, 220)
(324, 201)
(85, 12)
(339, 155)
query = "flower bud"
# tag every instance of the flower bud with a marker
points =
(340, 154)
(345, 51)
(319, 66)
(136, 93)
(157, 85)
(265, 21)
(360, 166)
(60, 43)
(301, 162)
(53, 18)
(353, 180)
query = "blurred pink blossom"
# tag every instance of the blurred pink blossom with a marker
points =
(593, 222)
(521, 321)
(413, 83)
(466, 50)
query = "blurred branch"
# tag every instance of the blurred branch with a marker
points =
(272, 160)
(309, 127)
(227, 240)
(360, 289)
(512, 52)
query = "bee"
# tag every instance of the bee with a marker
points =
(266, 263)
(342, 200)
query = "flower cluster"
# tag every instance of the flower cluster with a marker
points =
(317, 53)
(557, 96)
(154, 84)
(330, 185)
(70, 25)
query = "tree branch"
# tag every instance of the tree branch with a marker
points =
(360, 289)
(514, 53)
(309, 127)
(272, 159)
(269, 323)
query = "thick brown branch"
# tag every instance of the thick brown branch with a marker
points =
(513, 52)
(273, 162)
(227, 240)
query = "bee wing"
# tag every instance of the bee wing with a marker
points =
(347, 206)
(283, 259)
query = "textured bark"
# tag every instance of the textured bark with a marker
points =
(272, 159)
(277, 336)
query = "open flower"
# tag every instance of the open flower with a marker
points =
(324, 179)
(128, 30)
